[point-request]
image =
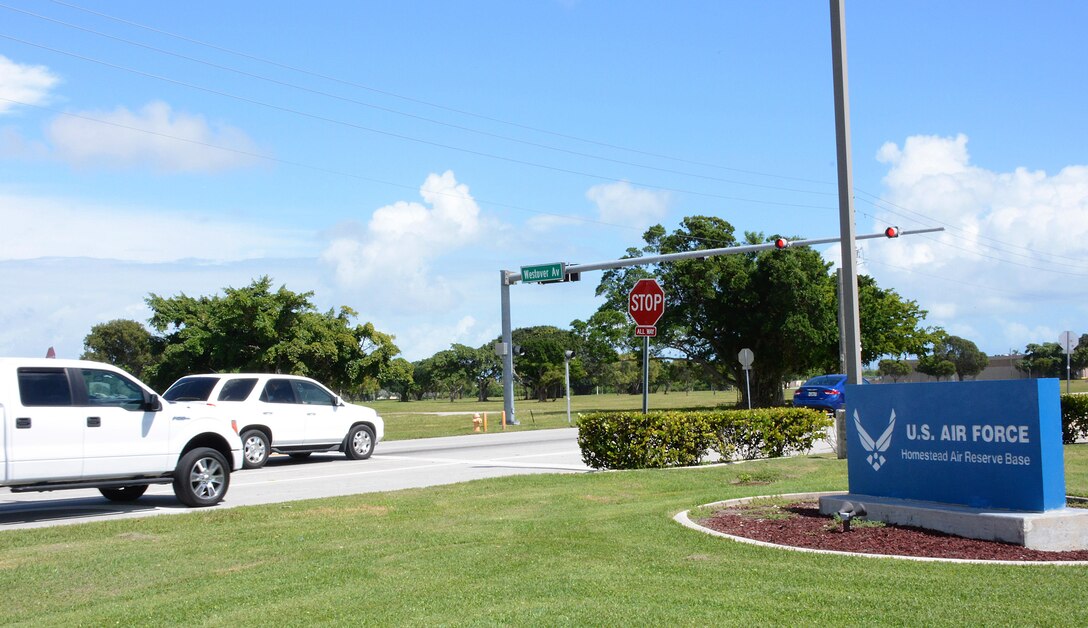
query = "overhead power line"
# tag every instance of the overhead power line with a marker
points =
(446, 108)
(412, 116)
(400, 136)
(877, 203)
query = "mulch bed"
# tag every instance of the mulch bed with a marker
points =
(802, 525)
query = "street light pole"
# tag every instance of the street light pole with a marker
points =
(567, 355)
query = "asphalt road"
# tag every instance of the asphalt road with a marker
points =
(395, 465)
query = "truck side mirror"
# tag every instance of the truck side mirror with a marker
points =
(151, 403)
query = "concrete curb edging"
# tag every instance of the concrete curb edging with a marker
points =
(683, 519)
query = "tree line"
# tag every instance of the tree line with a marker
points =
(781, 304)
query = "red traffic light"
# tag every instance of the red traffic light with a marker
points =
(891, 232)
(781, 243)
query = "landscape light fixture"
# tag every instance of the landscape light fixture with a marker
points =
(848, 511)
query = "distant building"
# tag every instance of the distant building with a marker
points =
(1000, 367)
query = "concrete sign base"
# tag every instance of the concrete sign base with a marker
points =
(1054, 530)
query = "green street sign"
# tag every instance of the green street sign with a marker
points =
(542, 272)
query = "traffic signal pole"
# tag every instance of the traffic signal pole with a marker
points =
(507, 349)
(508, 278)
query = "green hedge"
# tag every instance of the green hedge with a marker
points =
(1074, 417)
(632, 440)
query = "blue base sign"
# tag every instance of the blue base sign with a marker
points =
(992, 444)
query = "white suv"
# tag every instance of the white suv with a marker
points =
(285, 414)
(80, 424)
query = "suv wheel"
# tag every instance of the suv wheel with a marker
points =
(123, 493)
(255, 448)
(360, 443)
(202, 478)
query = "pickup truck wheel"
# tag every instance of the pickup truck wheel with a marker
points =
(123, 493)
(360, 443)
(202, 478)
(255, 448)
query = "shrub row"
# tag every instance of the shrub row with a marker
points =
(632, 440)
(1074, 417)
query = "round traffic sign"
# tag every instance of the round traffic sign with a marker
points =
(646, 303)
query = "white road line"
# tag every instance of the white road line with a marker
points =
(504, 462)
(434, 463)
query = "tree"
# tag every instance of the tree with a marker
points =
(967, 357)
(779, 303)
(120, 342)
(255, 329)
(598, 343)
(541, 362)
(481, 365)
(1048, 359)
(448, 372)
(935, 366)
(424, 378)
(964, 356)
(894, 369)
(397, 378)
(890, 324)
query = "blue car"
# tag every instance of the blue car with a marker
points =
(823, 392)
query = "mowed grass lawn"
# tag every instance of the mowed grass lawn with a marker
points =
(545, 550)
(430, 418)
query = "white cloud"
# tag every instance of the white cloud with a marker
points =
(24, 84)
(14, 146)
(403, 245)
(623, 204)
(1011, 250)
(550, 222)
(423, 340)
(52, 227)
(1021, 222)
(155, 137)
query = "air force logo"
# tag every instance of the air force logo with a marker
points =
(879, 446)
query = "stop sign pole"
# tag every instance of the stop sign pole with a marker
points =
(646, 304)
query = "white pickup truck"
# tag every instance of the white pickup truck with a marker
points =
(70, 424)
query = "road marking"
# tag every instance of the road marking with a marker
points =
(434, 463)
(505, 462)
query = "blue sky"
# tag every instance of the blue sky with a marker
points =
(395, 156)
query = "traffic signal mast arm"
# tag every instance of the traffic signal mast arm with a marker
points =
(509, 278)
(890, 232)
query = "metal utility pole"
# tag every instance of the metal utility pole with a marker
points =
(851, 326)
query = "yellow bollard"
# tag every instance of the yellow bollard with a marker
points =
(504, 420)
(485, 422)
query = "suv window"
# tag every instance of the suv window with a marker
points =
(105, 388)
(44, 387)
(310, 394)
(278, 391)
(237, 389)
(191, 389)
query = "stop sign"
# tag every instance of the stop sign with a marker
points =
(646, 303)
